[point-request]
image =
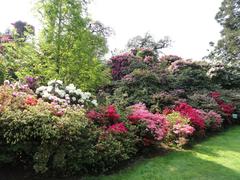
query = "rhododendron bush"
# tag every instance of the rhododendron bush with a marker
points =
(180, 128)
(156, 125)
(195, 117)
(226, 108)
(57, 138)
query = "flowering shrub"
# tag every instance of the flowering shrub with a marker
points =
(117, 128)
(106, 117)
(193, 114)
(179, 128)
(56, 92)
(119, 65)
(226, 108)
(31, 82)
(213, 120)
(183, 129)
(32, 101)
(156, 126)
(48, 137)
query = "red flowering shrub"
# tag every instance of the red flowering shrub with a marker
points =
(226, 108)
(117, 128)
(193, 114)
(155, 125)
(108, 116)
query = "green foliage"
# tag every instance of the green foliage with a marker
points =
(202, 100)
(71, 48)
(140, 87)
(2, 73)
(189, 76)
(227, 48)
(228, 77)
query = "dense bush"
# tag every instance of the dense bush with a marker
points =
(152, 128)
(180, 129)
(189, 75)
(53, 139)
(226, 76)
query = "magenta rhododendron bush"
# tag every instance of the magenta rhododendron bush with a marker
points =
(156, 124)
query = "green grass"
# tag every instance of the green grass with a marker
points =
(216, 158)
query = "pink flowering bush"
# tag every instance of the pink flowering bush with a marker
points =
(154, 126)
(180, 129)
(213, 121)
(119, 65)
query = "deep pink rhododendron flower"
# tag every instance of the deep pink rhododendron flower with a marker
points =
(117, 128)
(227, 108)
(193, 114)
(106, 117)
(155, 123)
(112, 114)
(215, 94)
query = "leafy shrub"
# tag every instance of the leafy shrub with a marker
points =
(213, 121)
(189, 76)
(161, 100)
(2, 72)
(54, 139)
(202, 100)
(140, 86)
(119, 65)
(226, 76)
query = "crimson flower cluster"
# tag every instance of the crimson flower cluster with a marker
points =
(227, 108)
(193, 114)
(108, 118)
(117, 128)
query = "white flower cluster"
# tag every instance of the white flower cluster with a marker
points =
(213, 71)
(56, 92)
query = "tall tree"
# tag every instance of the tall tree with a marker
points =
(71, 43)
(149, 42)
(227, 49)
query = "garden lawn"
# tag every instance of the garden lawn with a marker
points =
(216, 158)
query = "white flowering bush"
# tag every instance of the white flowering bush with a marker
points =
(56, 92)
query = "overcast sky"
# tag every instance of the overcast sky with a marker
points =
(189, 23)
